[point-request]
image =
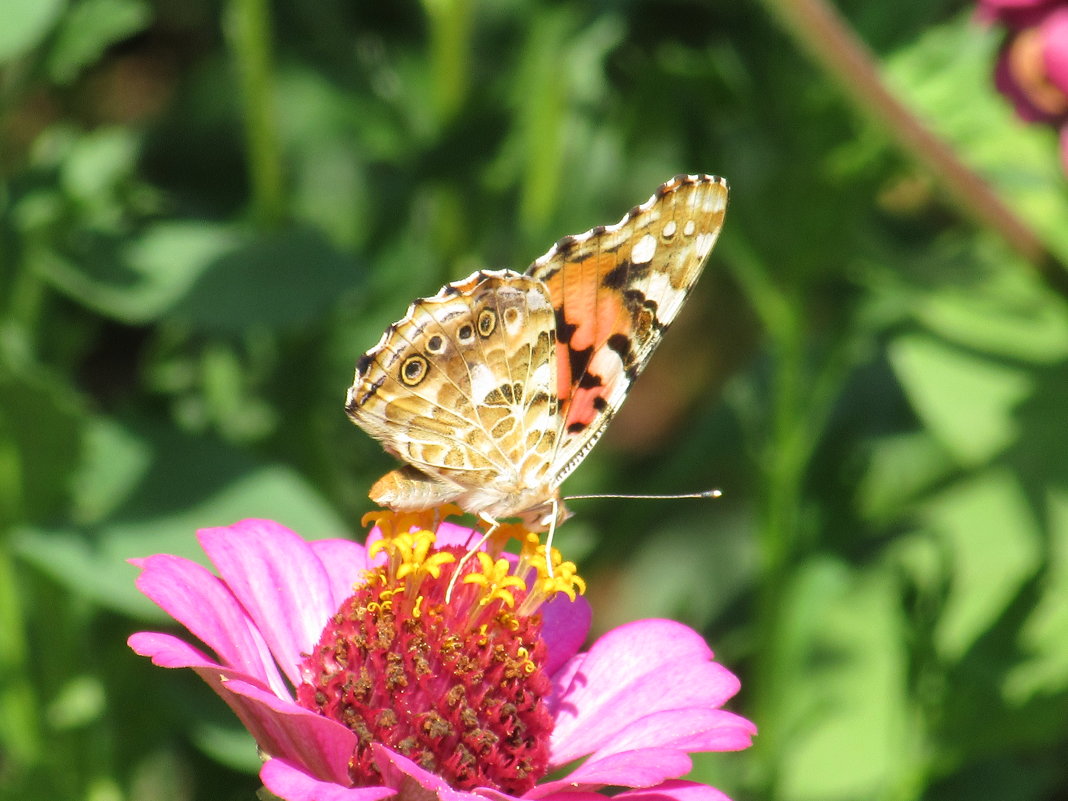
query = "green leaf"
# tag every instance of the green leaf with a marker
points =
(40, 443)
(140, 281)
(965, 399)
(901, 468)
(994, 544)
(845, 706)
(182, 483)
(990, 569)
(296, 275)
(1009, 313)
(89, 29)
(1044, 638)
(97, 162)
(25, 24)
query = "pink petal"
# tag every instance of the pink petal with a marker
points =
(675, 791)
(322, 747)
(687, 730)
(635, 670)
(279, 726)
(646, 768)
(345, 562)
(453, 534)
(169, 652)
(412, 781)
(561, 795)
(279, 580)
(202, 603)
(1055, 48)
(292, 784)
(562, 681)
(565, 625)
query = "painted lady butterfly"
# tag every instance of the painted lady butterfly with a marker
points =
(496, 388)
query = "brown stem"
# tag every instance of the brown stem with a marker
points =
(822, 32)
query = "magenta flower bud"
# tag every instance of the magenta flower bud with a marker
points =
(1016, 13)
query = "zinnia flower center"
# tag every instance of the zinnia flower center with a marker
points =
(455, 685)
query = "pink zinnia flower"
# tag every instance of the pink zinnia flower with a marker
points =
(360, 679)
(1032, 67)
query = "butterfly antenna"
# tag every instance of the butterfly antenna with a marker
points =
(710, 493)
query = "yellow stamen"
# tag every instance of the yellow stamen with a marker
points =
(495, 580)
(503, 533)
(410, 556)
(392, 524)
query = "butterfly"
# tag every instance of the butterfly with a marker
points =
(495, 389)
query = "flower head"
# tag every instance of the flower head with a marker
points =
(359, 680)
(1032, 67)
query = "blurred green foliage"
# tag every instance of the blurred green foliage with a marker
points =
(209, 210)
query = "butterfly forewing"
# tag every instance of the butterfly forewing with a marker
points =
(616, 289)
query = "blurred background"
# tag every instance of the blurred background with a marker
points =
(209, 210)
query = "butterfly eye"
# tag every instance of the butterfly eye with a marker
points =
(413, 370)
(436, 345)
(466, 333)
(487, 321)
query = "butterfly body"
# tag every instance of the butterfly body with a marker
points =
(492, 391)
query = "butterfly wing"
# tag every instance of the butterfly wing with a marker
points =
(463, 389)
(615, 289)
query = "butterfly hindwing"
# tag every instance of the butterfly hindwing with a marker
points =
(463, 390)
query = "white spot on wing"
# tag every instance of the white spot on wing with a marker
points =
(669, 229)
(689, 228)
(540, 377)
(643, 251)
(659, 287)
(537, 300)
(513, 321)
(482, 381)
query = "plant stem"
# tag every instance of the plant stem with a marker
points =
(248, 28)
(450, 48)
(20, 711)
(820, 30)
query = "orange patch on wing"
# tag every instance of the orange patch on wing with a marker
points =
(597, 313)
(563, 375)
(581, 409)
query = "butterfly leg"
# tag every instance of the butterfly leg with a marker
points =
(549, 537)
(471, 551)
